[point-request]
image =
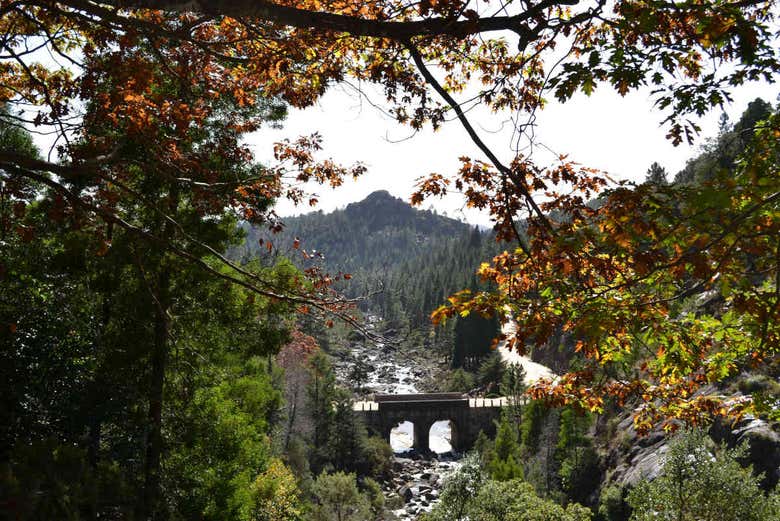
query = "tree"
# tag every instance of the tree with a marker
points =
(275, 495)
(294, 358)
(358, 374)
(656, 174)
(459, 490)
(648, 255)
(699, 485)
(459, 381)
(491, 372)
(474, 335)
(127, 361)
(488, 500)
(506, 460)
(562, 275)
(339, 498)
(321, 396)
(513, 387)
(517, 501)
(579, 471)
(347, 439)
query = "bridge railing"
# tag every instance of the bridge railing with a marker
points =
(365, 406)
(501, 401)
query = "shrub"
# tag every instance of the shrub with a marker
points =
(339, 498)
(613, 505)
(459, 381)
(698, 484)
(275, 495)
(378, 456)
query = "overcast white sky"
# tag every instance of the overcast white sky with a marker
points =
(605, 131)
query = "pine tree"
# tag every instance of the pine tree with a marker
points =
(506, 457)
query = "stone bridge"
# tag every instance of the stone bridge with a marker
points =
(467, 416)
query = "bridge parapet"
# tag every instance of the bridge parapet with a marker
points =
(502, 401)
(365, 406)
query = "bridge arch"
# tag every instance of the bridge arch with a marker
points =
(443, 435)
(402, 436)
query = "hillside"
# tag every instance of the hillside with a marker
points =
(376, 233)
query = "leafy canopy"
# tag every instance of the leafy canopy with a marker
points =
(613, 276)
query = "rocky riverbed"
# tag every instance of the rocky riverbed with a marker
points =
(418, 482)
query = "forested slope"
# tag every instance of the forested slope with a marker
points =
(408, 260)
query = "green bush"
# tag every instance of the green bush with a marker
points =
(339, 498)
(378, 457)
(376, 498)
(759, 384)
(613, 505)
(459, 381)
(492, 370)
(516, 500)
(275, 495)
(506, 462)
(699, 484)
(467, 495)
(50, 480)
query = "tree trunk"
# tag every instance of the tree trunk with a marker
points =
(158, 362)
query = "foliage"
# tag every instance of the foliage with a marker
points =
(699, 485)
(378, 457)
(376, 497)
(506, 460)
(214, 466)
(433, 256)
(173, 92)
(530, 431)
(516, 500)
(321, 393)
(47, 479)
(157, 376)
(468, 495)
(459, 491)
(474, 335)
(580, 473)
(338, 438)
(339, 498)
(513, 387)
(149, 102)
(613, 505)
(294, 359)
(459, 381)
(491, 371)
(347, 436)
(697, 261)
(275, 495)
(656, 174)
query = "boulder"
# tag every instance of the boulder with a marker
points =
(406, 493)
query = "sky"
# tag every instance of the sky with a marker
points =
(621, 135)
